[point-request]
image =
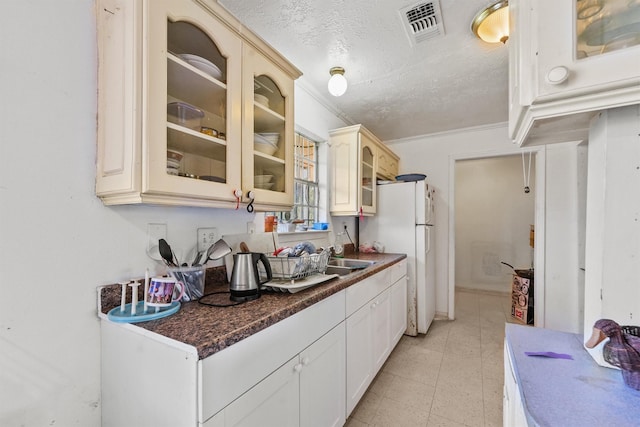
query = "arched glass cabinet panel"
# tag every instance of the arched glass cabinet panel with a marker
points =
(268, 131)
(196, 105)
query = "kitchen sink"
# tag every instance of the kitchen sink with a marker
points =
(356, 264)
(344, 266)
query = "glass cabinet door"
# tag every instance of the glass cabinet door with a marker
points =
(604, 26)
(193, 139)
(267, 132)
(367, 175)
(584, 47)
(268, 135)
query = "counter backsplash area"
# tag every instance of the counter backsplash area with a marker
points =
(109, 296)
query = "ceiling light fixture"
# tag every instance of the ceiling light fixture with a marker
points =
(492, 23)
(337, 83)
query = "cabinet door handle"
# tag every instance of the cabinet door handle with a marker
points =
(557, 75)
(297, 367)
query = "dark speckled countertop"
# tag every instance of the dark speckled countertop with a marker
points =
(211, 329)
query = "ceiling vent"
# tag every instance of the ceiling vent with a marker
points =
(422, 21)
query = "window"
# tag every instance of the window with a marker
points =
(305, 193)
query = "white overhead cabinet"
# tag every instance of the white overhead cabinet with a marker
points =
(567, 60)
(192, 107)
(357, 158)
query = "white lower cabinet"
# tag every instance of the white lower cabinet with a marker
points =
(272, 402)
(368, 346)
(512, 409)
(381, 315)
(398, 308)
(308, 390)
(322, 385)
(373, 329)
(359, 354)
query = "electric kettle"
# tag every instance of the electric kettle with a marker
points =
(245, 279)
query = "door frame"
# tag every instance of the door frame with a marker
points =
(539, 222)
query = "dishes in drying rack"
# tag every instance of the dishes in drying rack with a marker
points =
(202, 64)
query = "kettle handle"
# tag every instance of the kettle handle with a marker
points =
(267, 267)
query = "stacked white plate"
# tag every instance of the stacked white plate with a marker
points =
(202, 64)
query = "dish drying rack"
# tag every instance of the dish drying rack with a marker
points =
(295, 268)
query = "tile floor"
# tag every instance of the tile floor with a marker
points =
(450, 377)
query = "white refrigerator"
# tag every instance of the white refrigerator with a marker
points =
(404, 223)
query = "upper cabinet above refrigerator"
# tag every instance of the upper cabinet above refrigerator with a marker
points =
(357, 159)
(179, 111)
(567, 60)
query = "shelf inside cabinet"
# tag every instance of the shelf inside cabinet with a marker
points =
(195, 87)
(264, 160)
(266, 120)
(188, 140)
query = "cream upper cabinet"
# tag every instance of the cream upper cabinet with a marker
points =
(567, 60)
(268, 113)
(176, 107)
(355, 163)
(388, 163)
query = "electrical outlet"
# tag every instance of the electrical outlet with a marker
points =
(155, 232)
(206, 238)
(251, 227)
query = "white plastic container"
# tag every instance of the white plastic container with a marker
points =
(185, 115)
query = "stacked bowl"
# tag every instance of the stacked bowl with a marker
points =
(263, 181)
(266, 142)
(174, 157)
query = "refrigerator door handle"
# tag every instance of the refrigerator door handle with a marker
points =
(427, 231)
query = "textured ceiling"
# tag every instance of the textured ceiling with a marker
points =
(395, 90)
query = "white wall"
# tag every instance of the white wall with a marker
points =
(493, 217)
(58, 242)
(612, 258)
(435, 155)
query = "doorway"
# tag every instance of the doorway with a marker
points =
(490, 221)
(493, 221)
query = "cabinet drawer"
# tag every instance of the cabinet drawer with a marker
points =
(229, 373)
(396, 271)
(360, 293)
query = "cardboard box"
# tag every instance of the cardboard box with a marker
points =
(522, 297)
